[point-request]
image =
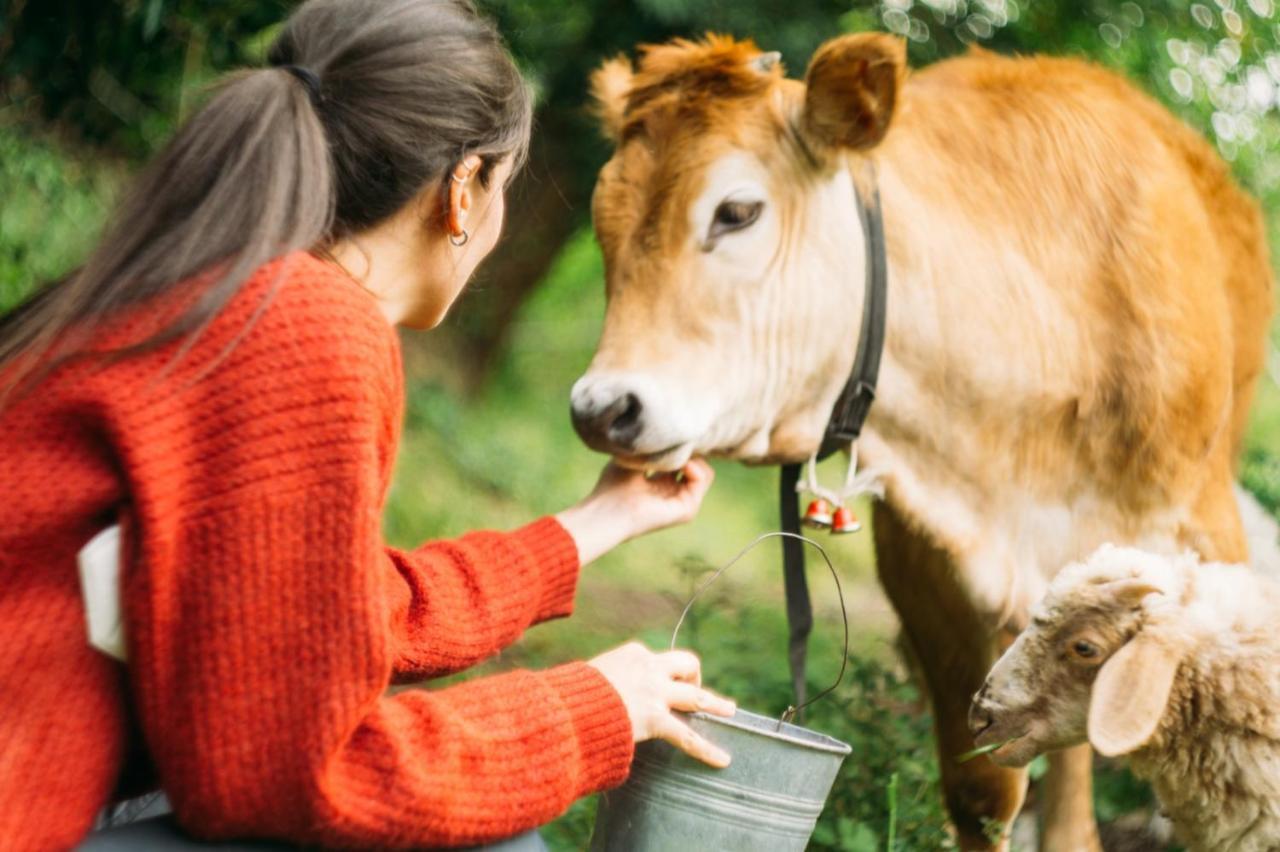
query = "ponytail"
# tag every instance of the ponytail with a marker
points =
(367, 102)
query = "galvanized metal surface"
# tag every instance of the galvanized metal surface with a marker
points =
(767, 800)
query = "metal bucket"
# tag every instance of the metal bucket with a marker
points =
(767, 800)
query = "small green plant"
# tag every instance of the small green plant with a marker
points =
(892, 842)
(981, 750)
(993, 830)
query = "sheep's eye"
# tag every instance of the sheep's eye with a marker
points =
(1086, 650)
(733, 216)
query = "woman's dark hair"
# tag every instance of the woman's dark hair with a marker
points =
(364, 105)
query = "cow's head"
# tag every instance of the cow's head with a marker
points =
(732, 245)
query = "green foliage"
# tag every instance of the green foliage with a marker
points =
(887, 795)
(120, 71)
(1116, 792)
(1260, 465)
(1260, 473)
(54, 201)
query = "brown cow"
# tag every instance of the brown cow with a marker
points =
(1078, 302)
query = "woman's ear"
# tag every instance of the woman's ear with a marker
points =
(610, 85)
(1130, 695)
(851, 89)
(461, 191)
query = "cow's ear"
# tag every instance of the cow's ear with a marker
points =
(610, 85)
(851, 88)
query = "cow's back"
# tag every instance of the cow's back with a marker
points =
(1076, 137)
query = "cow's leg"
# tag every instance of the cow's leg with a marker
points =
(1068, 824)
(955, 649)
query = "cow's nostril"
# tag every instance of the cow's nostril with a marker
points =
(613, 426)
(629, 414)
(624, 428)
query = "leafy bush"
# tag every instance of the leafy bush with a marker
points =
(55, 201)
(118, 71)
(888, 789)
(1260, 473)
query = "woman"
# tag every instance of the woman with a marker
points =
(222, 378)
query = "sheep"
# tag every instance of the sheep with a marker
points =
(1168, 661)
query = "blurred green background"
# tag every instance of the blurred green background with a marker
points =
(89, 88)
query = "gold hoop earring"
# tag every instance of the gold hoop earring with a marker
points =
(453, 238)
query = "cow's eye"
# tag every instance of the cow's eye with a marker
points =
(734, 216)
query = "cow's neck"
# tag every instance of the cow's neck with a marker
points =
(984, 367)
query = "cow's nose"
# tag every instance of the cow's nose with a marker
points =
(612, 426)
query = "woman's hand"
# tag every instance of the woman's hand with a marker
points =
(652, 685)
(627, 503)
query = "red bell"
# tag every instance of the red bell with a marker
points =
(844, 521)
(818, 515)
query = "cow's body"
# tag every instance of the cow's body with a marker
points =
(1078, 304)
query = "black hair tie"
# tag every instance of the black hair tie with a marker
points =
(309, 81)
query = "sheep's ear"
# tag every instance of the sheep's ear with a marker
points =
(851, 88)
(1130, 695)
(610, 85)
(1131, 591)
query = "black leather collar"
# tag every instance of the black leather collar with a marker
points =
(847, 419)
(854, 403)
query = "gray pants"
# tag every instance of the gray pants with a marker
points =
(161, 835)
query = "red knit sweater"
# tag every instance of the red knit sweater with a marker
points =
(265, 618)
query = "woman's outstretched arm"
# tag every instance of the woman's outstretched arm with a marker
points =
(456, 602)
(452, 603)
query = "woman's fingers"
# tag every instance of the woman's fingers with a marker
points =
(682, 665)
(697, 472)
(691, 699)
(652, 685)
(680, 735)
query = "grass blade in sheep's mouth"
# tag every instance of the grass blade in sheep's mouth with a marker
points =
(981, 750)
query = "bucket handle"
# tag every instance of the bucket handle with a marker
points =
(792, 710)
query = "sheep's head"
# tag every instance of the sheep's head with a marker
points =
(1096, 663)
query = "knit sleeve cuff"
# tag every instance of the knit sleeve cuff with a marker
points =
(555, 554)
(600, 720)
